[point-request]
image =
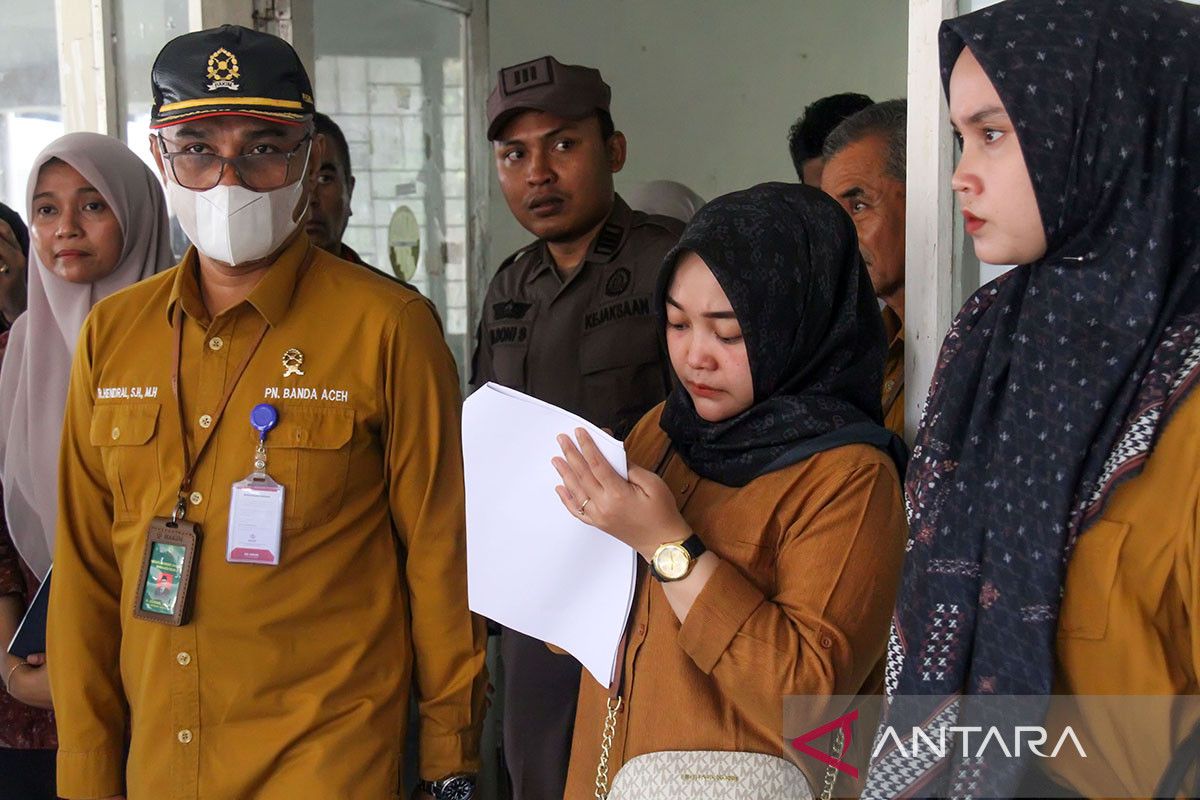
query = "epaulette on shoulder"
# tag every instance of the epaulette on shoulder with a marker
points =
(512, 259)
(671, 225)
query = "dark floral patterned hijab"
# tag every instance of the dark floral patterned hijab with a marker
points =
(1056, 380)
(787, 257)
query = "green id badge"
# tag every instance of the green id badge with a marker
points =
(168, 564)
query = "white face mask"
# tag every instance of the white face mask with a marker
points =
(234, 224)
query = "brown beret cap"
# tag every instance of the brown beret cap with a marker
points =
(544, 84)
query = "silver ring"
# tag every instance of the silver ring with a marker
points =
(583, 508)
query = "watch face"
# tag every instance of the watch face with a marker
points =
(455, 789)
(672, 562)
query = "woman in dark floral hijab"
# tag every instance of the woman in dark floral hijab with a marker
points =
(1057, 384)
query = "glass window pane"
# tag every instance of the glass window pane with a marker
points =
(141, 29)
(391, 75)
(30, 102)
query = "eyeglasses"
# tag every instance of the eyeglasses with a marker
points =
(260, 172)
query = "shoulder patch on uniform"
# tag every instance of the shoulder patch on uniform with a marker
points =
(608, 240)
(618, 282)
(510, 309)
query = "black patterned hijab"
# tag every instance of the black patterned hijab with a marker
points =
(787, 258)
(1056, 380)
(18, 227)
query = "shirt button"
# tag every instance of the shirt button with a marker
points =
(116, 433)
(205, 421)
(184, 736)
(196, 498)
(826, 642)
(216, 343)
(184, 659)
(683, 489)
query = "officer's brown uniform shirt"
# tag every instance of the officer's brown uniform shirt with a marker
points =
(800, 605)
(1130, 622)
(893, 373)
(290, 681)
(589, 344)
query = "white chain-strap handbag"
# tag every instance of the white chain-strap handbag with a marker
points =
(709, 775)
(706, 774)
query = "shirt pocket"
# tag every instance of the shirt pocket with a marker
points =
(1091, 575)
(125, 435)
(309, 454)
(509, 342)
(622, 372)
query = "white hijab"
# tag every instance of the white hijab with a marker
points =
(669, 198)
(37, 364)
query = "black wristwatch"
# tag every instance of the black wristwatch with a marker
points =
(459, 787)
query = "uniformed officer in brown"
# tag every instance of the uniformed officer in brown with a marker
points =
(311, 617)
(566, 319)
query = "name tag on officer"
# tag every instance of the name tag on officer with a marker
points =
(255, 521)
(164, 586)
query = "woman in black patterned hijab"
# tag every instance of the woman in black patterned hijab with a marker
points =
(762, 493)
(788, 261)
(1051, 499)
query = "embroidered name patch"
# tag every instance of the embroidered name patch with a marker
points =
(306, 393)
(622, 309)
(126, 392)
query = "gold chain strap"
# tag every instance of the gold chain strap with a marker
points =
(839, 742)
(610, 730)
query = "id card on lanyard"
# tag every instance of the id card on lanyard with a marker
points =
(172, 543)
(256, 503)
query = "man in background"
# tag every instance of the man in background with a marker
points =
(329, 209)
(865, 172)
(569, 320)
(806, 138)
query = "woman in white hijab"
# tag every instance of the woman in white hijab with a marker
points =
(668, 198)
(98, 223)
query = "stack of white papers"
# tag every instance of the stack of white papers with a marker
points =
(532, 565)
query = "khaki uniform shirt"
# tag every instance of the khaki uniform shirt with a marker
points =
(800, 604)
(893, 373)
(1130, 623)
(590, 343)
(290, 681)
(348, 253)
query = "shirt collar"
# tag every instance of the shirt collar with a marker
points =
(351, 255)
(605, 245)
(272, 297)
(893, 327)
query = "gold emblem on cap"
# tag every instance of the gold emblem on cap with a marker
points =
(223, 70)
(293, 359)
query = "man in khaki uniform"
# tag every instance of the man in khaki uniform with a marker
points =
(569, 320)
(864, 171)
(289, 677)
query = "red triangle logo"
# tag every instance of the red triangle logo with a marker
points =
(846, 723)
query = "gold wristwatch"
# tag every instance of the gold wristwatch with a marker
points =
(673, 561)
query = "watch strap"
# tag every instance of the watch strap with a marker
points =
(694, 546)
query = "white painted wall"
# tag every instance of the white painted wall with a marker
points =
(705, 89)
